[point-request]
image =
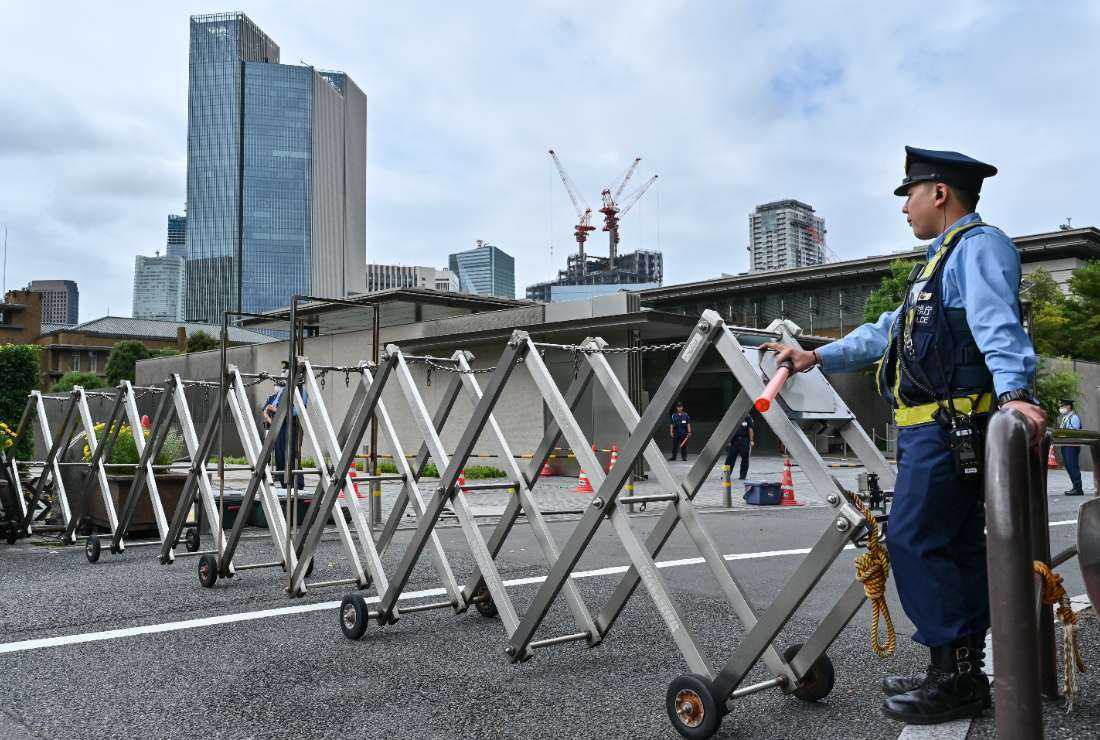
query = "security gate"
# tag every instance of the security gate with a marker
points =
(696, 701)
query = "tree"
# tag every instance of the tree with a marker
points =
(1051, 386)
(1050, 327)
(18, 377)
(123, 359)
(66, 382)
(200, 341)
(890, 293)
(1082, 312)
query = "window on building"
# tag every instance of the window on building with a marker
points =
(75, 362)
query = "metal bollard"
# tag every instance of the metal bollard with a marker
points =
(727, 487)
(1012, 593)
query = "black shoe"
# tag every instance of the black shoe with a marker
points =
(894, 685)
(1075, 492)
(954, 687)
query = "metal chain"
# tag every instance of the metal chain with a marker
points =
(433, 365)
(589, 350)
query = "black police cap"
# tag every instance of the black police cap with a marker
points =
(952, 168)
(1066, 402)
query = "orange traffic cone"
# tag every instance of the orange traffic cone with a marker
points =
(546, 469)
(583, 484)
(1052, 461)
(461, 478)
(787, 486)
(614, 457)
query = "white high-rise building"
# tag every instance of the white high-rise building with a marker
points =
(158, 287)
(387, 277)
(785, 234)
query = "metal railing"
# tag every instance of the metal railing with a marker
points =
(1018, 534)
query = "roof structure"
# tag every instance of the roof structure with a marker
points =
(124, 326)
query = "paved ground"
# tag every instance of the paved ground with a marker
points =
(232, 662)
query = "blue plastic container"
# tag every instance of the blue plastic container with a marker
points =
(763, 493)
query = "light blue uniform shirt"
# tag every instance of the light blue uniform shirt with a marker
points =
(1070, 421)
(982, 276)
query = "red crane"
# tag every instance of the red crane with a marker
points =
(612, 210)
(584, 217)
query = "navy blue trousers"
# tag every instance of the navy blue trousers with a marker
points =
(739, 447)
(677, 441)
(1071, 456)
(936, 540)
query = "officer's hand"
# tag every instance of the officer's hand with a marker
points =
(801, 359)
(1036, 418)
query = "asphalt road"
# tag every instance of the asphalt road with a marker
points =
(433, 674)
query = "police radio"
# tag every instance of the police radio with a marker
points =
(964, 439)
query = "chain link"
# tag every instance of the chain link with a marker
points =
(589, 350)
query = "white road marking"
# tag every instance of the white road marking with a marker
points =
(186, 624)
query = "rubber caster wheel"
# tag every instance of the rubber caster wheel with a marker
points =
(191, 540)
(13, 535)
(353, 616)
(818, 681)
(92, 548)
(208, 571)
(485, 606)
(692, 707)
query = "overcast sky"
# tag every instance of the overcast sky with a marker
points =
(732, 103)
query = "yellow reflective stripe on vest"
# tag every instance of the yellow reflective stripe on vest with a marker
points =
(909, 416)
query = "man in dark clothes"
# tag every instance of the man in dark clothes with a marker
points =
(741, 444)
(679, 428)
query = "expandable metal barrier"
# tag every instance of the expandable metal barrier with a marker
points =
(696, 701)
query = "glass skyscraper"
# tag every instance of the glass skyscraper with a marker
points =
(486, 270)
(177, 236)
(276, 175)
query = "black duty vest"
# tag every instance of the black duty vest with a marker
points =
(932, 356)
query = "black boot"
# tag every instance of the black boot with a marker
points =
(894, 685)
(1075, 491)
(954, 687)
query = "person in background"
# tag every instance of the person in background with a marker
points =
(271, 406)
(1071, 454)
(741, 444)
(679, 429)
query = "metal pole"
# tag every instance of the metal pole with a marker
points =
(1011, 578)
(375, 485)
(1040, 550)
(219, 536)
(288, 397)
(727, 486)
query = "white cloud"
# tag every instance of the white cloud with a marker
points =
(732, 104)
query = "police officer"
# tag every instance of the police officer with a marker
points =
(954, 347)
(741, 444)
(1071, 454)
(679, 428)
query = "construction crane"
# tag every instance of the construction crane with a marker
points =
(613, 211)
(584, 216)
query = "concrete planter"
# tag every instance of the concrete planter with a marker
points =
(169, 486)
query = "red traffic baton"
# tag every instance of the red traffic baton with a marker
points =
(771, 390)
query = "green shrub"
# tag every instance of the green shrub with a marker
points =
(18, 377)
(87, 381)
(229, 460)
(1053, 385)
(125, 450)
(200, 341)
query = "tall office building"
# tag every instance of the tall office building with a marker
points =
(386, 277)
(60, 301)
(785, 234)
(485, 270)
(158, 287)
(177, 236)
(276, 175)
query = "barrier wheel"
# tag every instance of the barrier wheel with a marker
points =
(692, 707)
(192, 540)
(483, 602)
(92, 548)
(353, 616)
(818, 681)
(208, 571)
(13, 534)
